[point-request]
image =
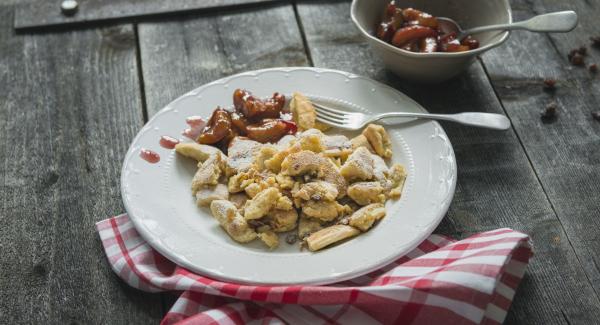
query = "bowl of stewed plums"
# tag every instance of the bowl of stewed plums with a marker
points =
(415, 42)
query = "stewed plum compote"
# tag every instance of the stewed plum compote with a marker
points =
(261, 120)
(417, 31)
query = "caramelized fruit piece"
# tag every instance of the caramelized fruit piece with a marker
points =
(449, 43)
(428, 45)
(411, 14)
(398, 18)
(421, 18)
(389, 11)
(255, 108)
(447, 38)
(470, 42)
(388, 27)
(270, 130)
(407, 34)
(224, 143)
(385, 32)
(277, 101)
(428, 21)
(411, 46)
(455, 47)
(239, 121)
(217, 127)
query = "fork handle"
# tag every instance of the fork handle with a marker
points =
(483, 120)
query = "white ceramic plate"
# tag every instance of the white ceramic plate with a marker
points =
(158, 198)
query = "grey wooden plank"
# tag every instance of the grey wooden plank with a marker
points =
(36, 15)
(180, 55)
(564, 152)
(497, 186)
(70, 105)
(13, 2)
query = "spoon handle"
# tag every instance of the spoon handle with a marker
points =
(562, 21)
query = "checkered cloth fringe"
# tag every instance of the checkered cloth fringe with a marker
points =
(442, 281)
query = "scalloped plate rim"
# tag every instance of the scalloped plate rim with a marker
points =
(324, 279)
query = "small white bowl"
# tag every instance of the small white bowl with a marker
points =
(439, 66)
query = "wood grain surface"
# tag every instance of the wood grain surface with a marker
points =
(67, 115)
(178, 56)
(564, 151)
(72, 100)
(497, 186)
(42, 14)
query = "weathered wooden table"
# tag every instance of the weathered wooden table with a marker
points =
(73, 97)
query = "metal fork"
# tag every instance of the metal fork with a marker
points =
(355, 121)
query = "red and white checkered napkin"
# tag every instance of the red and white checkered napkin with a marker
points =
(440, 282)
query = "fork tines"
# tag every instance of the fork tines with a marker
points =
(337, 118)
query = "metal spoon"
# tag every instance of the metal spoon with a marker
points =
(562, 21)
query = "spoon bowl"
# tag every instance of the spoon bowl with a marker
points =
(448, 25)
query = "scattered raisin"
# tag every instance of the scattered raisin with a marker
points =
(549, 83)
(291, 238)
(576, 55)
(596, 115)
(577, 59)
(39, 269)
(572, 53)
(593, 68)
(550, 111)
(255, 223)
(595, 41)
